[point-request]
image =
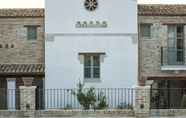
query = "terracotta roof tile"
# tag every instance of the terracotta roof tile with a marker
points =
(22, 12)
(166, 10)
(21, 68)
(143, 9)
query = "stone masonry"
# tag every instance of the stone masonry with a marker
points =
(27, 97)
(21, 57)
(150, 49)
(14, 46)
(142, 101)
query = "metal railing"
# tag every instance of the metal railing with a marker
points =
(168, 98)
(116, 98)
(172, 56)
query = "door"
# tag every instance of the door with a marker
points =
(3, 93)
(11, 93)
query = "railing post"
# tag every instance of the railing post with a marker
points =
(142, 101)
(27, 97)
(27, 94)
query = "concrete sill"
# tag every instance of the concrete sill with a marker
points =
(92, 80)
(173, 67)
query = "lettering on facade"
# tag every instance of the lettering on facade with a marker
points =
(91, 24)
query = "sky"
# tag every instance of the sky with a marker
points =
(40, 3)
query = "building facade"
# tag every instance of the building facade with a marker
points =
(162, 52)
(21, 51)
(94, 45)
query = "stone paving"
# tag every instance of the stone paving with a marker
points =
(169, 117)
(122, 117)
(101, 117)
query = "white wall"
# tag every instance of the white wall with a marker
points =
(118, 69)
(61, 16)
(120, 65)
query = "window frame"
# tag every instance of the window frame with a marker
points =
(32, 38)
(142, 31)
(92, 67)
(177, 42)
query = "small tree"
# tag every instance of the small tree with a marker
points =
(85, 98)
(183, 102)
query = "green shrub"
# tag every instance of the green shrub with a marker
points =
(102, 104)
(86, 98)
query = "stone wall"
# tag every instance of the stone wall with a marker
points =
(67, 113)
(89, 114)
(168, 112)
(150, 49)
(14, 46)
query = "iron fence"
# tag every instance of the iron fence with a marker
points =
(115, 98)
(120, 98)
(168, 98)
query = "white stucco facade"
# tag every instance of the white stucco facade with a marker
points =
(117, 39)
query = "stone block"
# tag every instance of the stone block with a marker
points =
(142, 101)
(27, 97)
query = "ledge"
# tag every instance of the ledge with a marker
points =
(173, 67)
(93, 80)
(67, 113)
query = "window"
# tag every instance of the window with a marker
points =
(145, 30)
(91, 66)
(31, 32)
(12, 45)
(175, 44)
(6, 46)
